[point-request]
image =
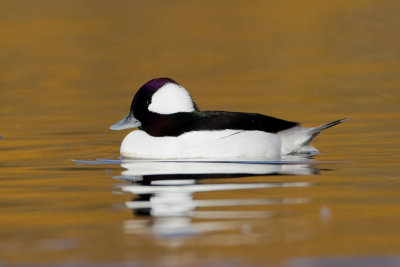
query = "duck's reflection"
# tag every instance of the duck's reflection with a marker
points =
(164, 194)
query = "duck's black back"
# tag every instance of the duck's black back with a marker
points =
(179, 123)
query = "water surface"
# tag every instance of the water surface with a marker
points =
(69, 71)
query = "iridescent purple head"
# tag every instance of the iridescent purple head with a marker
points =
(160, 96)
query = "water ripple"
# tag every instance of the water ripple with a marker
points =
(168, 196)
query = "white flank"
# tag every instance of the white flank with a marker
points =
(224, 144)
(171, 98)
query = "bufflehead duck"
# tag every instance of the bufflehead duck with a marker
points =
(172, 127)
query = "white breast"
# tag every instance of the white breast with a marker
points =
(224, 144)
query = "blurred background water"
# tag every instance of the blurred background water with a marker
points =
(69, 69)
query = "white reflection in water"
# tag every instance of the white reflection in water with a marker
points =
(140, 167)
(165, 189)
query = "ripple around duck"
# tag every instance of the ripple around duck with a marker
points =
(165, 193)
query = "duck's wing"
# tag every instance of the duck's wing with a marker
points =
(183, 122)
(219, 120)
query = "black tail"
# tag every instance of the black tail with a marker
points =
(315, 131)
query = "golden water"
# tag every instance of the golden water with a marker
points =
(70, 68)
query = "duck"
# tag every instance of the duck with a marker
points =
(172, 127)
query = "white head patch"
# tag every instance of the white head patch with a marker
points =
(171, 98)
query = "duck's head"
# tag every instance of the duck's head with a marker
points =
(160, 96)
